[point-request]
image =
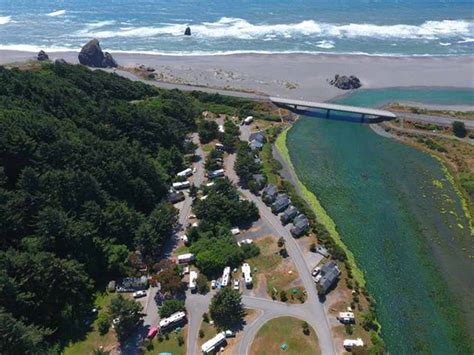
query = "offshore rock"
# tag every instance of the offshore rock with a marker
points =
(92, 56)
(60, 62)
(42, 56)
(346, 82)
(187, 31)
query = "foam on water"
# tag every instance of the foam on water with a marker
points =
(5, 19)
(56, 13)
(242, 29)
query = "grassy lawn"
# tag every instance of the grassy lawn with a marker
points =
(169, 345)
(183, 249)
(284, 330)
(93, 339)
(209, 332)
(275, 269)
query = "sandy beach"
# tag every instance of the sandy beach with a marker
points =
(302, 76)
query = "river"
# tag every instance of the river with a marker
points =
(402, 218)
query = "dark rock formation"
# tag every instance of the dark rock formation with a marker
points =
(60, 61)
(92, 56)
(346, 82)
(187, 32)
(42, 56)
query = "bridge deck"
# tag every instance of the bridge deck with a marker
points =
(334, 107)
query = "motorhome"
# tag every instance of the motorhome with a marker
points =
(185, 258)
(225, 276)
(350, 343)
(193, 275)
(181, 185)
(246, 271)
(346, 317)
(212, 345)
(185, 173)
(172, 321)
(248, 120)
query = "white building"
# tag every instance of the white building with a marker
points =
(221, 128)
(172, 320)
(350, 343)
(212, 344)
(192, 280)
(235, 231)
(226, 276)
(247, 274)
(185, 258)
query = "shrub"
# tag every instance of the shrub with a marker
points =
(305, 327)
(205, 318)
(312, 248)
(281, 242)
(202, 284)
(103, 323)
(180, 340)
(201, 333)
(283, 296)
(459, 129)
(171, 306)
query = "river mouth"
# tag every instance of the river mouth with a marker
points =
(402, 218)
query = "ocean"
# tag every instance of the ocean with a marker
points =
(390, 27)
(401, 217)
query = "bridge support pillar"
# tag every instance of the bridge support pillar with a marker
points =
(362, 119)
(327, 113)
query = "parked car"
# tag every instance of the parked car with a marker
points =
(139, 294)
(213, 284)
(229, 333)
(316, 271)
(152, 332)
(186, 270)
(236, 284)
(317, 278)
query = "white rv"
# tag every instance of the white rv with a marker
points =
(211, 345)
(172, 320)
(185, 258)
(247, 272)
(346, 317)
(192, 280)
(225, 276)
(248, 120)
(185, 173)
(350, 343)
(181, 185)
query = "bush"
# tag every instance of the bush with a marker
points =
(306, 329)
(202, 284)
(281, 242)
(349, 329)
(459, 129)
(201, 333)
(208, 131)
(171, 306)
(312, 248)
(283, 296)
(205, 318)
(226, 308)
(180, 340)
(250, 250)
(103, 323)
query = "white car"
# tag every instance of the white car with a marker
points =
(316, 271)
(116, 321)
(229, 333)
(186, 270)
(213, 284)
(317, 278)
(236, 285)
(139, 294)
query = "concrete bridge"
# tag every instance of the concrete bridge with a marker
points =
(334, 107)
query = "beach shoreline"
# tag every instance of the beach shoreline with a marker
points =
(299, 76)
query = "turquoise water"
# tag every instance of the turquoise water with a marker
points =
(393, 27)
(378, 98)
(402, 219)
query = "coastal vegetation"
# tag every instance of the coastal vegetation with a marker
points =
(86, 161)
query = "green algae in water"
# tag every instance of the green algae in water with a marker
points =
(372, 188)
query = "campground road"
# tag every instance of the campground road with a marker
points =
(315, 313)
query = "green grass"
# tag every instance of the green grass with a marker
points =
(284, 330)
(167, 346)
(268, 169)
(319, 211)
(93, 339)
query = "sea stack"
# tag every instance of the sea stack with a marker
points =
(346, 82)
(42, 56)
(93, 56)
(187, 31)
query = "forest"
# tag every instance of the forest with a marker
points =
(86, 161)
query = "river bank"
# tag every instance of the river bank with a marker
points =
(299, 76)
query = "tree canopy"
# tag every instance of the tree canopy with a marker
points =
(226, 308)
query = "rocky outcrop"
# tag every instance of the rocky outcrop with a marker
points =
(42, 56)
(60, 61)
(346, 82)
(187, 31)
(92, 56)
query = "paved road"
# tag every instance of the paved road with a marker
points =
(196, 306)
(438, 120)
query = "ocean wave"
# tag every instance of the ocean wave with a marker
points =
(35, 48)
(5, 19)
(95, 25)
(241, 29)
(325, 44)
(56, 13)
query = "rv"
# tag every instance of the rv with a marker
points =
(172, 320)
(226, 276)
(216, 173)
(346, 317)
(185, 258)
(181, 185)
(248, 120)
(247, 274)
(219, 146)
(192, 281)
(350, 343)
(212, 345)
(235, 231)
(185, 173)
